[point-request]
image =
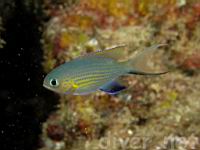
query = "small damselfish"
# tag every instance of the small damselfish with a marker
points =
(100, 70)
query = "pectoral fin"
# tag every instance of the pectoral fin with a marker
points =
(112, 87)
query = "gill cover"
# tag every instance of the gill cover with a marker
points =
(69, 86)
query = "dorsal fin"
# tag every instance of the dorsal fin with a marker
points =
(116, 52)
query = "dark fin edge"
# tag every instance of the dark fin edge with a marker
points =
(146, 73)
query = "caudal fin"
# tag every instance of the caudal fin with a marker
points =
(139, 64)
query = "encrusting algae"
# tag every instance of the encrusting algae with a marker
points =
(153, 113)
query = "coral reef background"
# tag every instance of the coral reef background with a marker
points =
(154, 113)
(161, 110)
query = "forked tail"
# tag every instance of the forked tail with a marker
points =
(138, 65)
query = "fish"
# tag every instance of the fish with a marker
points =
(99, 71)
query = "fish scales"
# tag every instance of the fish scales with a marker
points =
(93, 78)
(93, 69)
(81, 66)
(95, 73)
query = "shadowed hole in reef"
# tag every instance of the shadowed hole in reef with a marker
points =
(24, 103)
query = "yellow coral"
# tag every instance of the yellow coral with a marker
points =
(81, 21)
(145, 6)
(66, 39)
(116, 8)
(171, 97)
(119, 8)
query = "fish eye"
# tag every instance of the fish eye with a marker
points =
(54, 82)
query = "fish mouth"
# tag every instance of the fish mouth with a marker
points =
(47, 87)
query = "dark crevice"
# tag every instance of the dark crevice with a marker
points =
(24, 103)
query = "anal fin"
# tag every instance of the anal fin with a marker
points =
(112, 87)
